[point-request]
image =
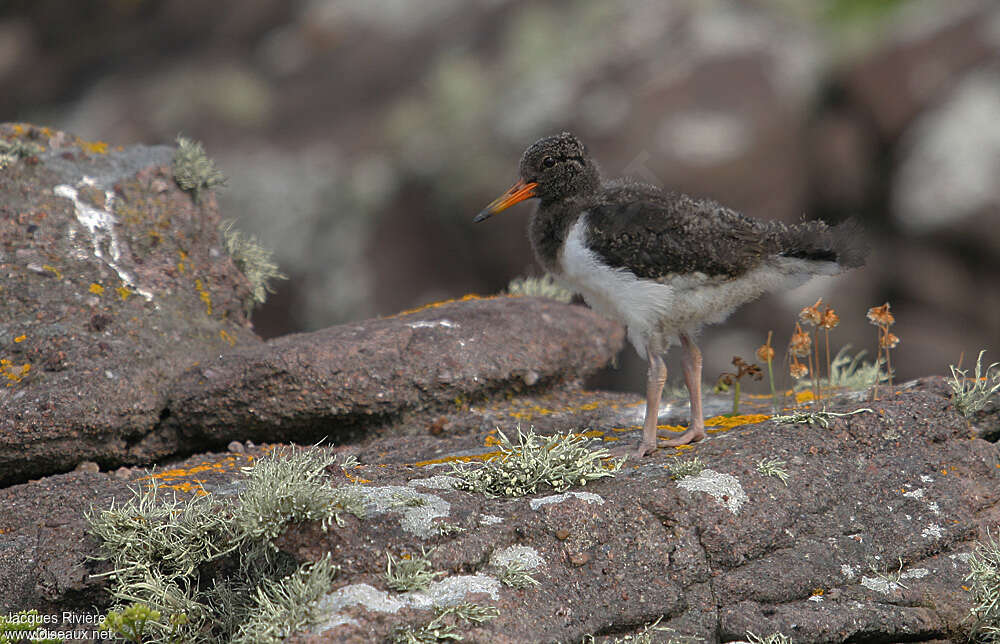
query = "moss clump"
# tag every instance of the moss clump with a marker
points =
(254, 260)
(545, 286)
(194, 172)
(559, 461)
(212, 567)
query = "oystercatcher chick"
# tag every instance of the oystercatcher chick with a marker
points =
(662, 263)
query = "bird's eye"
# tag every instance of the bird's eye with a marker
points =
(548, 162)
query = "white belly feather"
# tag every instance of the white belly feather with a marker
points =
(655, 311)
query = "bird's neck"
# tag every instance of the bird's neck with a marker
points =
(549, 227)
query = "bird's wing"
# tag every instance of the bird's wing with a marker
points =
(653, 234)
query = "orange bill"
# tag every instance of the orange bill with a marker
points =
(518, 192)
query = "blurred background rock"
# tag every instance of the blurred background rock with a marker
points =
(361, 136)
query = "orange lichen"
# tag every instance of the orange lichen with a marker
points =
(52, 269)
(96, 289)
(20, 338)
(458, 459)
(182, 263)
(13, 373)
(123, 292)
(728, 422)
(205, 296)
(355, 479)
(227, 338)
(434, 305)
(93, 147)
(804, 396)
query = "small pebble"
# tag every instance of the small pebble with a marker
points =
(236, 447)
(87, 466)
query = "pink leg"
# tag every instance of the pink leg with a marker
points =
(692, 378)
(656, 376)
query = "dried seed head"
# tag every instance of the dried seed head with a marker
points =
(765, 353)
(880, 316)
(830, 319)
(798, 370)
(800, 343)
(811, 315)
(888, 340)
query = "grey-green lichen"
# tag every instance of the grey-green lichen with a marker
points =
(194, 172)
(685, 467)
(445, 623)
(255, 261)
(559, 461)
(161, 550)
(969, 395)
(773, 467)
(282, 607)
(984, 581)
(12, 151)
(545, 286)
(410, 572)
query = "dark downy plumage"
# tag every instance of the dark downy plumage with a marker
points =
(662, 262)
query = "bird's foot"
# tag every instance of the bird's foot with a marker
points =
(692, 435)
(636, 453)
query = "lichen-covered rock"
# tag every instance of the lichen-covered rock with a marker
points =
(114, 281)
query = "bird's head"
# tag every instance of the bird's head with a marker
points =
(553, 168)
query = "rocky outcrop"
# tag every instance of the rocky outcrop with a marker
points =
(114, 282)
(867, 537)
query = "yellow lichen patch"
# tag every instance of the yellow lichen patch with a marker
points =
(13, 373)
(52, 269)
(227, 338)
(183, 478)
(21, 338)
(205, 296)
(434, 305)
(683, 447)
(458, 459)
(590, 433)
(804, 396)
(672, 428)
(728, 422)
(123, 292)
(93, 147)
(96, 289)
(355, 479)
(182, 262)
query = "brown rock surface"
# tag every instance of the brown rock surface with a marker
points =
(346, 379)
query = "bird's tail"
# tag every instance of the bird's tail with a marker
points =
(815, 240)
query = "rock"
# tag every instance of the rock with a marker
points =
(868, 539)
(346, 379)
(110, 289)
(916, 62)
